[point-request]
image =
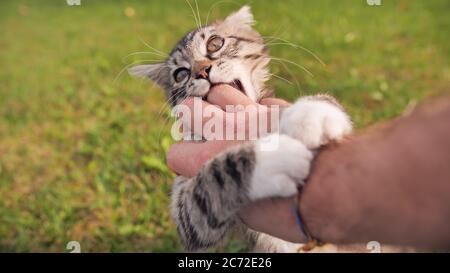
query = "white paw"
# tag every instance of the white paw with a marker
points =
(282, 163)
(315, 122)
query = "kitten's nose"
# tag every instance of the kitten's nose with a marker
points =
(202, 71)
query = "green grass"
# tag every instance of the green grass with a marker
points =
(82, 158)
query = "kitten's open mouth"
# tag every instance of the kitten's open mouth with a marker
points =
(237, 84)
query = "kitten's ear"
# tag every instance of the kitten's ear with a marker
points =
(243, 16)
(151, 71)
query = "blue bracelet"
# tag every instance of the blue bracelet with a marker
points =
(312, 242)
(298, 220)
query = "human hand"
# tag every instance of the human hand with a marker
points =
(186, 158)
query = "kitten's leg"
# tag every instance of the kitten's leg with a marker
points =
(315, 120)
(204, 207)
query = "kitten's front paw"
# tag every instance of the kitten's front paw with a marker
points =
(315, 121)
(282, 163)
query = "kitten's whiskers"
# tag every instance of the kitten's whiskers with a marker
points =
(198, 13)
(282, 78)
(132, 64)
(167, 104)
(197, 22)
(166, 119)
(291, 74)
(161, 53)
(297, 46)
(294, 63)
(142, 52)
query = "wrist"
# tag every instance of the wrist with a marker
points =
(274, 216)
(326, 204)
(315, 216)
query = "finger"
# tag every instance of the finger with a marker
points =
(187, 158)
(274, 101)
(194, 113)
(224, 94)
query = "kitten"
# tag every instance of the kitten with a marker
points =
(231, 51)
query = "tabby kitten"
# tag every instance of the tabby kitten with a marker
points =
(231, 51)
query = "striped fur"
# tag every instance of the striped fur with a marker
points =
(204, 207)
(244, 56)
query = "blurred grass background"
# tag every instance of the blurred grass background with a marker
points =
(83, 157)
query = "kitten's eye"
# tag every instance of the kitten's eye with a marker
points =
(214, 44)
(180, 74)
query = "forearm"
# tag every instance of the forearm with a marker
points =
(389, 184)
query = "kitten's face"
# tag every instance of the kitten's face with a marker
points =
(229, 51)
